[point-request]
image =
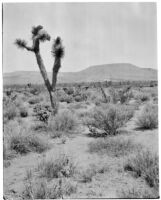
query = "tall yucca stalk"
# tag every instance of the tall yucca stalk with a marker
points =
(40, 35)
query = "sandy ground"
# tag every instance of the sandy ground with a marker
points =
(103, 185)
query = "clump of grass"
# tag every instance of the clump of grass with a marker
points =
(141, 95)
(63, 121)
(148, 118)
(113, 146)
(23, 111)
(87, 175)
(146, 165)
(61, 166)
(54, 190)
(27, 143)
(108, 119)
(34, 100)
(10, 112)
(138, 193)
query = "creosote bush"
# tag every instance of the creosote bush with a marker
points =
(65, 120)
(34, 100)
(23, 111)
(146, 165)
(148, 118)
(10, 111)
(107, 120)
(55, 189)
(23, 144)
(138, 193)
(113, 146)
(57, 167)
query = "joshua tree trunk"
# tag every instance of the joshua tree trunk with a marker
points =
(39, 35)
(43, 71)
(46, 80)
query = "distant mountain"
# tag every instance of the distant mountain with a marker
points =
(112, 72)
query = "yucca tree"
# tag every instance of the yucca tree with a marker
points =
(40, 35)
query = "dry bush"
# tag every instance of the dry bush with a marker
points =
(56, 189)
(146, 165)
(76, 106)
(107, 120)
(34, 100)
(17, 139)
(59, 166)
(137, 193)
(65, 120)
(87, 175)
(141, 96)
(23, 111)
(23, 144)
(148, 118)
(113, 146)
(10, 112)
(64, 97)
(43, 112)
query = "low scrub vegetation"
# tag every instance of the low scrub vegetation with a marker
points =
(42, 189)
(23, 111)
(34, 100)
(146, 165)
(23, 144)
(42, 112)
(148, 118)
(56, 167)
(108, 119)
(65, 120)
(138, 193)
(113, 146)
(10, 112)
(17, 139)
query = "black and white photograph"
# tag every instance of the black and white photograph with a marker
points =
(80, 100)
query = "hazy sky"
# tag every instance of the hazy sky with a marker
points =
(92, 33)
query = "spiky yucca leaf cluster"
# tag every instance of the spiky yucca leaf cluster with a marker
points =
(20, 43)
(43, 36)
(57, 48)
(35, 30)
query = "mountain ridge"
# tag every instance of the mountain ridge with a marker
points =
(112, 72)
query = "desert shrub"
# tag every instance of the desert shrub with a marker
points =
(10, 111)
(63, 97)
(23, 111)
(64, 121)
(23, 144)
(87, 175)
(148, 118)
(34, 100)
(137, 193)
(42, 112)
(146, 165)
(34, 91)
(7, 153)
(42, 190)
(53, 133)
(108, 119)
(113, 146)
(142, 96)
(59, 166)
(78, 98)
(114, 98)
(77, 106)
(69, 90)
